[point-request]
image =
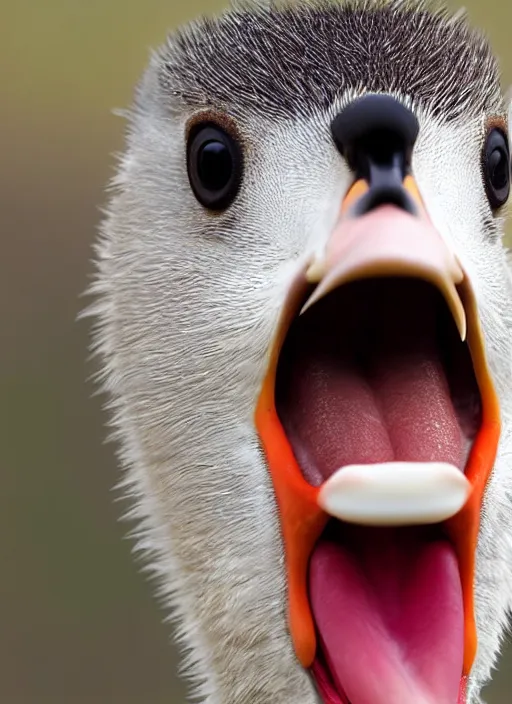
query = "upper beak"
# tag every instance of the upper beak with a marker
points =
(386, 240)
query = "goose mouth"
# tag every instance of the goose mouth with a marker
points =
(380, 426)
(371, 375)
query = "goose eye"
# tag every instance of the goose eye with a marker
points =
(497, 168)
(214, 164)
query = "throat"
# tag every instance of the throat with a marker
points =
(377, 374)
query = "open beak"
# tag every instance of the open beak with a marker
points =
(371, 429)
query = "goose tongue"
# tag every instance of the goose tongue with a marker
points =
(388, 609)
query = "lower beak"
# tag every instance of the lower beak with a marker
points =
(385, 242)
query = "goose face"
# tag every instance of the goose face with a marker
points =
(302, 272)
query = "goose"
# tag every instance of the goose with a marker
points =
(302, 311)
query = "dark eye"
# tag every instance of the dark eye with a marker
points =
(496, 167)
(214, 163)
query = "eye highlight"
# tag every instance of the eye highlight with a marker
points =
(214, 165)
(496, 168)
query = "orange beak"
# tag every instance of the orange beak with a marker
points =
(386, 242)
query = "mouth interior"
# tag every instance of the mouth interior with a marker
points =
(376, 372)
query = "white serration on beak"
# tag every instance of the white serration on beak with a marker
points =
(316, 271)
(395, 493)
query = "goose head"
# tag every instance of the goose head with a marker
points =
(303, 313)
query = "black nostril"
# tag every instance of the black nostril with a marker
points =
(382, 150)
(376, 124)
(376, 135)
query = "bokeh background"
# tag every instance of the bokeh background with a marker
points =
(78, 624)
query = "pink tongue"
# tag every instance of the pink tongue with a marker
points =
(388, 608)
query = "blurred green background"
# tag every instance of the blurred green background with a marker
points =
(78, 624)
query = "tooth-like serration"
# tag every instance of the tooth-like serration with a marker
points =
(395, 493)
